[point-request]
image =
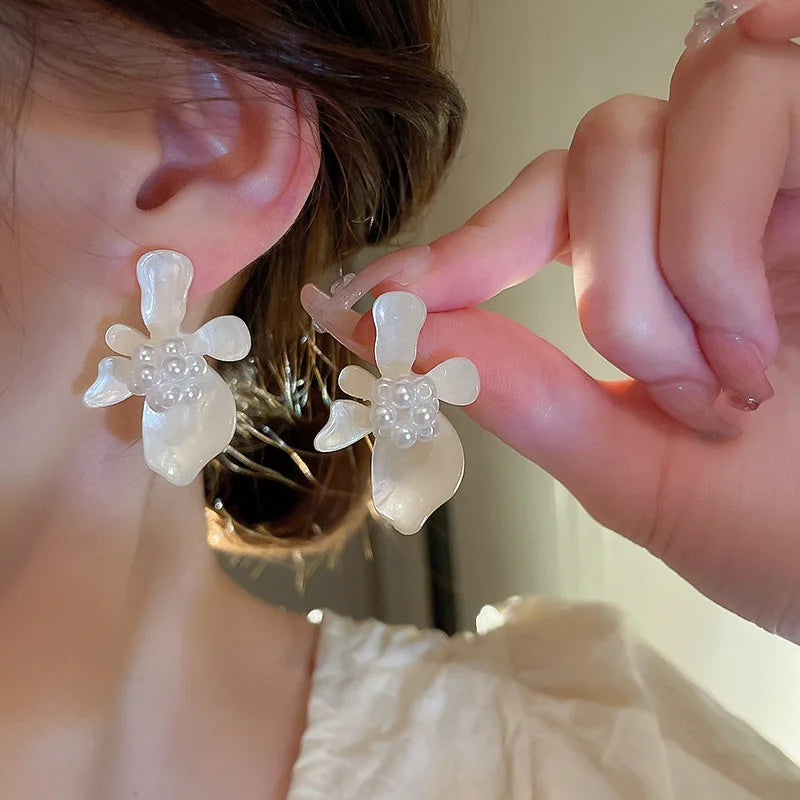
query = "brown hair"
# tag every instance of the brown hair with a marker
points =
(390, 120)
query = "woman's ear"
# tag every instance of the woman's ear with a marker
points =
(237, 162)
(205, 161)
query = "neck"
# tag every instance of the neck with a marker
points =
(66, 469)
(106, 573)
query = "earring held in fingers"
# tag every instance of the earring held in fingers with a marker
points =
(417, 460)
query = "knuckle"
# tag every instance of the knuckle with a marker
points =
(554, 159)
(549, 158)
(625, 122)
(615, 328)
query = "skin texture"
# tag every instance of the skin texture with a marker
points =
(136, 668)
(679, 221)
(773, 20)
(133, 666)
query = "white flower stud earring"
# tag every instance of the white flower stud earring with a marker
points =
(418, 460)
(189, 412)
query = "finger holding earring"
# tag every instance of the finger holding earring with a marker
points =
(418, 459)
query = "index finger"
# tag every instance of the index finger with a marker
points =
(503, 244)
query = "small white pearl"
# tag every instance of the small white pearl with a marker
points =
(172, 395)
(425, 390)
(383, 416)
(196, 366)
(426, 434)
(143, 379)
(144, 354)
(192, 393)
(403, 395)
(165, 397)
(383, 391)
(174, 347)
(423, 416)
(174, 367)
(403, 437)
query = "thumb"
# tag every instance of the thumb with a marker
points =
(603, 442)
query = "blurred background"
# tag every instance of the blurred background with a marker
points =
(530, 69)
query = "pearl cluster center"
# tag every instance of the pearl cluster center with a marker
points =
(405, 410)
(166, 374)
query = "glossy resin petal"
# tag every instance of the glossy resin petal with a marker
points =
(418, 460)
(189, 413)
(180, 441)
(409, 485)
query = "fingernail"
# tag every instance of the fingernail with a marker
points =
(739, 367)
(692, 403)
(713, 17)
(331, 317)
(402, 267)
(409, 265)
(333, 313)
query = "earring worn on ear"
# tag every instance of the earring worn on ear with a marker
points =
(189, 412)
(417, 460)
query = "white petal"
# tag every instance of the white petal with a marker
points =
(124, 340)
(399, 317)
(457, 381)
(224, 338)
(357, 382)
(409, 485)
(179, 442)
(349, 422)
(111, 385)
(165, 277)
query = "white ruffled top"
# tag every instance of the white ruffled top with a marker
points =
(551, 702)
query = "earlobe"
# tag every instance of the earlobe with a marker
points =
(237, 164)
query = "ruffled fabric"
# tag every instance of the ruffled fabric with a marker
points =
(552, 702)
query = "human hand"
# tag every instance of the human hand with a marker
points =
(680, 222)
(772, 20)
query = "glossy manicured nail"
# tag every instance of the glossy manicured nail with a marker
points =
(408, 266)
(401, 268)
(333, 313)
(713, 17)
(692, 403)
(739, 367)
(331, 317)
